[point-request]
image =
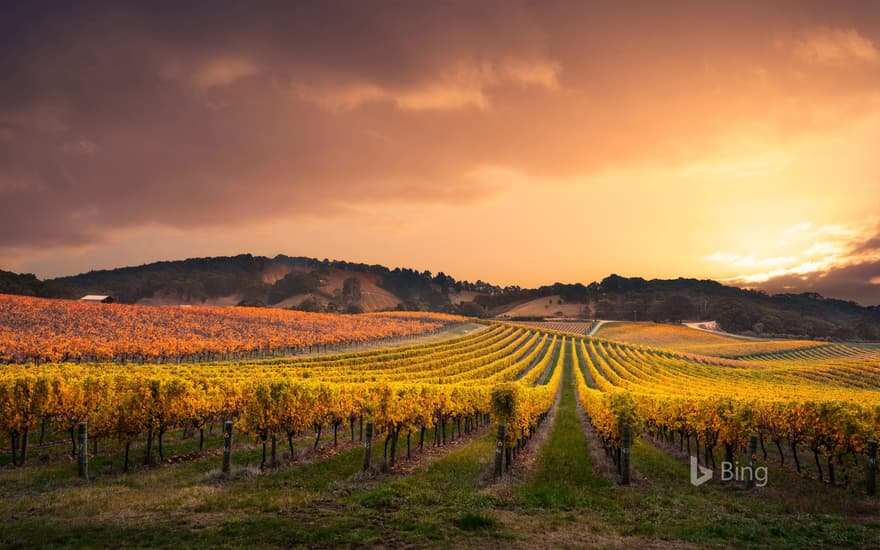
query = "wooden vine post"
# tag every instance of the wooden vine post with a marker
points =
(753, 460)
(227, 447)
(625, 446)
(368, 446)
(499, 451)
(871, 470)
(82, 449)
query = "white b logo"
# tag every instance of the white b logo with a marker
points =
(699, 474)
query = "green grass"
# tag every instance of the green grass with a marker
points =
(564, 477)
(561, 502)
(473, 521)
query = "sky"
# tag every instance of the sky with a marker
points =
(514, 142)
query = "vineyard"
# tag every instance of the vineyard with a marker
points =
(575, 327)
(684, 339)
(812, 407)
(401, 390)
(39, 330)
(830, 407)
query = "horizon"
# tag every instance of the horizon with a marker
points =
(511, 142)
(436, 272)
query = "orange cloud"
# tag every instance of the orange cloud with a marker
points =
(822, 250)
(224, 71)
(463, 84)
(836, 46)
(614, 138)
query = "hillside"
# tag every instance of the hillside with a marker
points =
(25, 284)
(546, 306)
(736, 310)
(691, 340)
(316, 285)
(301, 283)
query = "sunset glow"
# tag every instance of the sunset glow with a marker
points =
(517, 143)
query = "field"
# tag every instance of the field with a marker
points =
(682, 338)
(575, 327)
(34, 329)
(550, 306)
(300, 423)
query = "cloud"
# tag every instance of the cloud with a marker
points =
(41, 116)
(847, 269)
(744, 168)
(80, 146)
(859, 282)
(871, 245)
(17, 184)
(224, 71)
(141, 116)
(836, 46)
(798, 228)
(443, 95)
(462, 85)
(739, 261)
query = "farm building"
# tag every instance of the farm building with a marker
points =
(97, 298)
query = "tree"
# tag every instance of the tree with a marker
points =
(674, 308)
(472, 309)
(310, 304)
(351, 291)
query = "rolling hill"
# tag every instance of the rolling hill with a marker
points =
(336, 286)
(282, 281)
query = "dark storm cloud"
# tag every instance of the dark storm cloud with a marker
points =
(871, 245)
(184, 114)
(857, 278)
(852, 282)
(187, 114)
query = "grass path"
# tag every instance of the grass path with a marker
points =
(564, 476)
